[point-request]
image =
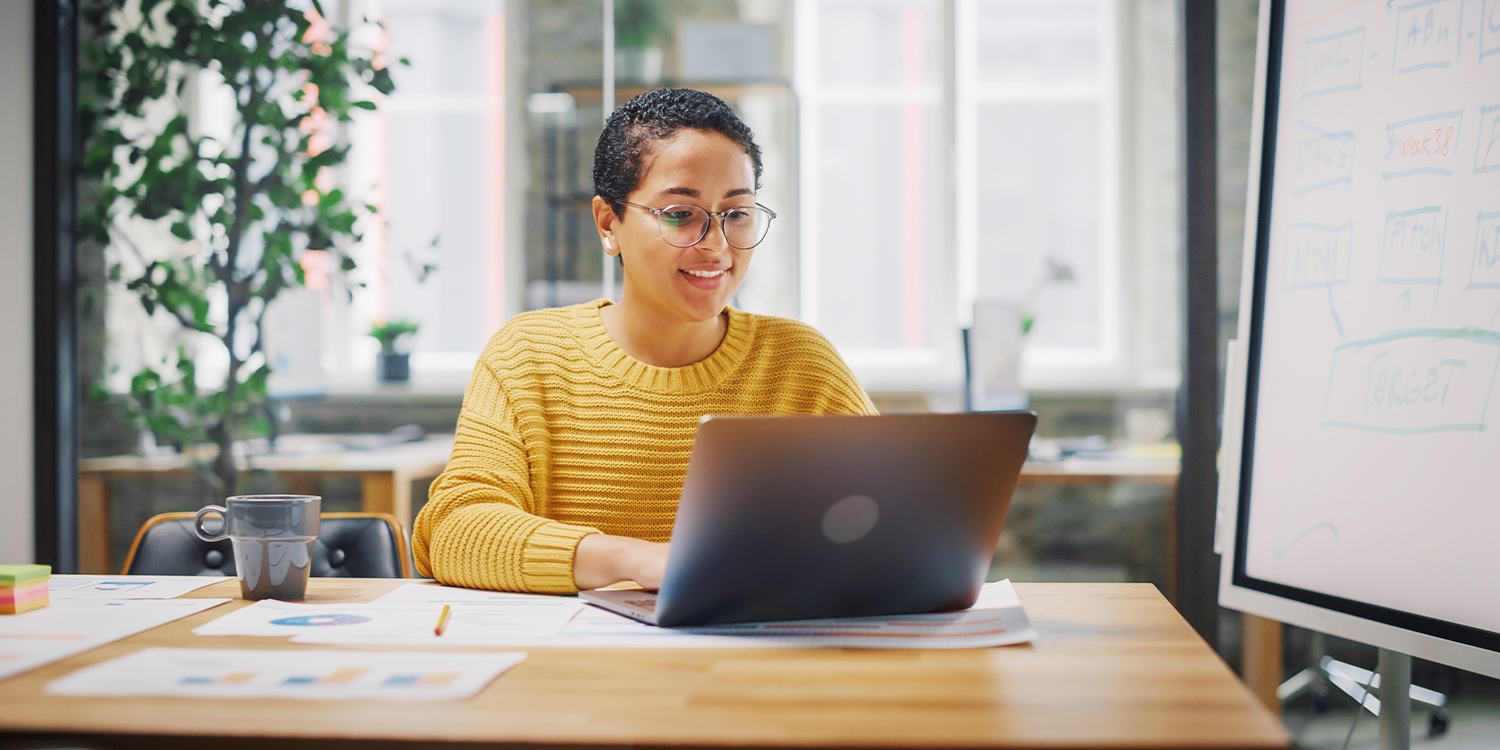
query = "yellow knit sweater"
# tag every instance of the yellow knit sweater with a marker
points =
(563, 434)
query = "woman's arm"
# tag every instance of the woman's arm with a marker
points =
(480, 527)
(601, 560)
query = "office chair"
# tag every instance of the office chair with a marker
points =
(350, 545)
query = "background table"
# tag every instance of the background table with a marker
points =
(385, 475)
(1115, 666)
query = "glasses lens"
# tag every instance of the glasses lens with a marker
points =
(746, 227)
(683, 226)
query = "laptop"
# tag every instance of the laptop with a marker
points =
(795, 517)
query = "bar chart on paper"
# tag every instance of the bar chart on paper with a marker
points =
(304, 675)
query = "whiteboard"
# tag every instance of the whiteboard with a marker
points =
(1365, 477)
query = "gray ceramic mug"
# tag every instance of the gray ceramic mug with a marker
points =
(273, 537)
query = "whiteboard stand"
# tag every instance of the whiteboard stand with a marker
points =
(1392, 677)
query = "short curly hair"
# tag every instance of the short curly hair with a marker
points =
(652, 116)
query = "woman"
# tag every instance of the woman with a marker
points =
(577, 424)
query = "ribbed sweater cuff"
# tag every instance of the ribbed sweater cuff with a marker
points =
(547, 560)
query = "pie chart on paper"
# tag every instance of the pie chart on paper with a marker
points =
(320, 620)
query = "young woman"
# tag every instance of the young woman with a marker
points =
(578, 421)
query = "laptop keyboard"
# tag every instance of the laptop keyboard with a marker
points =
(647, 604)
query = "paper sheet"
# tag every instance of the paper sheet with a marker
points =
(407, 617)
(67, 627)
(270, 617)
(300, 675)
(127, 587)
(997, 619)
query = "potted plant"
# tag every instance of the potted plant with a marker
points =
(206, 229)
(392, 366)
(637, 58)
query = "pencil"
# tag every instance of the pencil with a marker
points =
(442, 621)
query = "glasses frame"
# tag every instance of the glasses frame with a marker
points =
(723, 231)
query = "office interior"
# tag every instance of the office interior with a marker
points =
(983, 204)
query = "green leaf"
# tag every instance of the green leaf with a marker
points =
(181, 231)
(364, 105)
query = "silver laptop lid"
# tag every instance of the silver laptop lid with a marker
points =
(796, 517)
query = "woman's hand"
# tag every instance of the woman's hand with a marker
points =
(601, 560)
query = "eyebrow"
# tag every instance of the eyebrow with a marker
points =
(693, 193)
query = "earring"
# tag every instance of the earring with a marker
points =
(608, 248)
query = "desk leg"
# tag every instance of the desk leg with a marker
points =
(1260, 657)
(300, 483)
(378, 492)
(93, 524)
(401, 498)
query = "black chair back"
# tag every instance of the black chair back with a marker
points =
(350, 545)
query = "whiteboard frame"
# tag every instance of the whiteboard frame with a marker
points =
(1423, 637)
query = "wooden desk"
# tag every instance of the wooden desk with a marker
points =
(1089, 471)
(1115, 666)
(385, 475)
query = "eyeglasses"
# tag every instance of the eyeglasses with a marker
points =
(684, 225)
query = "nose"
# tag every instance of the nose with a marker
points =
(715, 239)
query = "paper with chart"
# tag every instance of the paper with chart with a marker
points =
(996, 619)
(68, 627)
(126, 587)
(407, 618)
(297, 675)
(1376, 452)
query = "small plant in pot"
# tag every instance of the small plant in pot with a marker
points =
(392, 366)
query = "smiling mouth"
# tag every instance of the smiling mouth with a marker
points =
(706, 274)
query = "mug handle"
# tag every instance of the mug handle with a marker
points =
(198, 523)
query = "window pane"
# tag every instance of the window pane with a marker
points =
(437, 194)
(864, 42)
(1038, 184)
(859, 250)
(878, 226)
(1038, 41)
(436, 148)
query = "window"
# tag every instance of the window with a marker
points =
(433, 159)
(876, 276)
(893, 258)
(1038, 162)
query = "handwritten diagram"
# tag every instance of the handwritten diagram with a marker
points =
(1414, 382)
(1412, 252)
(1428, 35)
(1424, 145)
(1324, 158)
(1332, 63)
(1487, 151)
(1485, 273)
(1384, 220)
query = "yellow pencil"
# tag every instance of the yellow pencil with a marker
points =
(442, 621)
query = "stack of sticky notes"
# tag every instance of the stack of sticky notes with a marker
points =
(23, 588)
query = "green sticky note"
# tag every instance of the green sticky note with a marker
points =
(21, 575)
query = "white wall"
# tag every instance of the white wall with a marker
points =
(16, 485)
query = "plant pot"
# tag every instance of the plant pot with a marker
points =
(393, 367)
(640, 65)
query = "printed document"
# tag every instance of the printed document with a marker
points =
(127, 587)
(68, 627)
(298, 675)
(996, 619)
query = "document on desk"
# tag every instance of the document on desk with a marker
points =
(298, 675)
(67, 627)
(126, 587)
(996, 619)
(476, 618)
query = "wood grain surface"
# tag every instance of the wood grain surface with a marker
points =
(1115, 666)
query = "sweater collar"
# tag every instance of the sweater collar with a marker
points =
(694, 378)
